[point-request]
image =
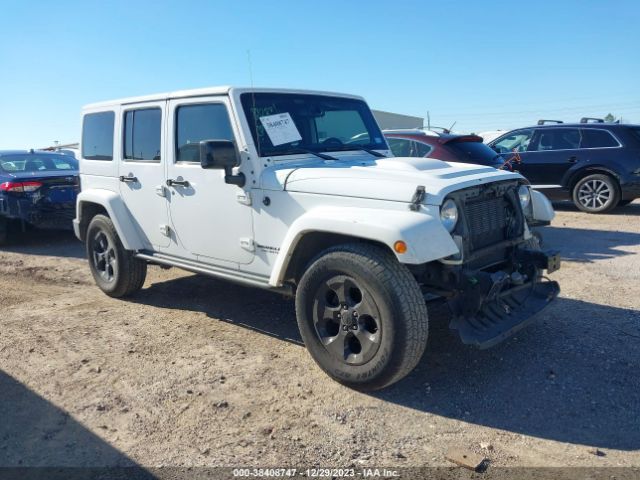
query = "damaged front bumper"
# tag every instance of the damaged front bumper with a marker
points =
(488, 306)
(502, 316)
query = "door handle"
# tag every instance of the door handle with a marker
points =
(573, 159)
(178, 183)
(128, 179)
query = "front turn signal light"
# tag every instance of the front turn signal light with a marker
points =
(400, 247)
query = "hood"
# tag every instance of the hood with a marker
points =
(393, 179)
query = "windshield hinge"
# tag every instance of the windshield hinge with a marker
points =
(417, 199)
(247, 244)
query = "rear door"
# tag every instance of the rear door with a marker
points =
(551, 153)
(142, 170)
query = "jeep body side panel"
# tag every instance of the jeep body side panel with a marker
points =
(426, 238)
(130, 234)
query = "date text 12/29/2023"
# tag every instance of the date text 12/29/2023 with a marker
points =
(314, 472)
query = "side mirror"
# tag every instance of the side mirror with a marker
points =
(221, 155)
(218, 154)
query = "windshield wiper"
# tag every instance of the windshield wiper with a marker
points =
(346, 148)
(304, 150)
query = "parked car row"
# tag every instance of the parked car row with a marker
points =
(594, 164)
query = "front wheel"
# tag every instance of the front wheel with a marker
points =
(116, 271)
(597, 193)
(362, 316)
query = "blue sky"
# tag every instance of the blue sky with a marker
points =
(486, 65)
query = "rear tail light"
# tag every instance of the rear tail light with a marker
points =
(20, 186)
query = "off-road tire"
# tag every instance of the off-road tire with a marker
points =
(403, 322)
(585, 185)
(129, 273)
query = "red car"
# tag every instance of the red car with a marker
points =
(442, 146)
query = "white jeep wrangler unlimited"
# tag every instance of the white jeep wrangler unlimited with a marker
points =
(294, 191)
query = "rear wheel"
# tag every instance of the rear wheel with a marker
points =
(116, 271)
(362, 316)
(597, 193)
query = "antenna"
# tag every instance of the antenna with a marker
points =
(250, 67)
(253, 101)
(428, 121)
(451, 127)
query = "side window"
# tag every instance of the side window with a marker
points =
(421, 149)
(195, 123)
(593, 138)
(517, 141)
(142, 134)
(61, 163)
(399, 147)
(557, 139)
(97, 136)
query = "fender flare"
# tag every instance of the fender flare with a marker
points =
(128, 230)
(426, 238)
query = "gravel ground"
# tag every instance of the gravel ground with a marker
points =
(193, 371)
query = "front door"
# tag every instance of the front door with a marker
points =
(208, 219)
(551, 153)
(142, 171)
(513, 148)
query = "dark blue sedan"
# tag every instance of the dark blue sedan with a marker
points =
(37, 188)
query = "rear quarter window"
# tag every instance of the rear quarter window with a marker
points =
(97, 136)
(592, 138)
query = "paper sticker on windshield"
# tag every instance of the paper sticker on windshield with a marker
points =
(280, 128)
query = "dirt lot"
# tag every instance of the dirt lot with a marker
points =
(193, 371)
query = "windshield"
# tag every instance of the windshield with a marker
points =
(285, 123)
(32, 162)
(474, 152)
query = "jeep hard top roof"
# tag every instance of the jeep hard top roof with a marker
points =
(209, 91)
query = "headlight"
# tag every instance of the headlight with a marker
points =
(524, 194)
(449, 215)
